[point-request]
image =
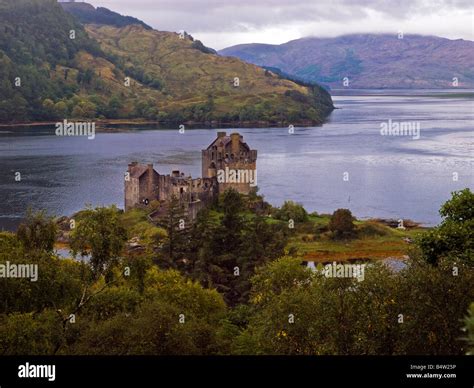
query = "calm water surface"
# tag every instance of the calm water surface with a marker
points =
(389, 176)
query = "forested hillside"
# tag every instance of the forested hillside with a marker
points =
(37, 58)
(87, 13)
(53, 67)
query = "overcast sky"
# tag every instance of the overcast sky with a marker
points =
(223, 23)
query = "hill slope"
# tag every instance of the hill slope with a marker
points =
(131, 72)
(369, 61)
(202, 86)
(87, 13)
(35, 45)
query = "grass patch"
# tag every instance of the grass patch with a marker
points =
(372, 241)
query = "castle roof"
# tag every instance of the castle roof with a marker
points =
(223, 140)
(220, 141)
(137, 170)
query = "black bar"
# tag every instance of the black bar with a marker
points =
(318, 371)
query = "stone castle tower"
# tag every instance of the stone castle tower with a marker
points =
(227, 163)
(231, 161)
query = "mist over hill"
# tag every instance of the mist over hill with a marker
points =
(369, 60)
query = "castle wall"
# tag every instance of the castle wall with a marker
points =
(148, 186)
(226, 152)
(131, 193)
(164, 188)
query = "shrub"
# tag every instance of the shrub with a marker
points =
(342, 223)
(291, 211)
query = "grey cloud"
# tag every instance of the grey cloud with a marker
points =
(214, 18)
(219, 15)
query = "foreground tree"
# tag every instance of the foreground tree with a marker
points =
(297, 312)
(38, 231)
(56, 285)
(230, 244)
(433, 301)
(470, 330)
(30, 334)
(216, 264)
(454, 237)
(99, 232)
(174, 316)
(176, 243)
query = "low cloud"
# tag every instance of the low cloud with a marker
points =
(220, 23)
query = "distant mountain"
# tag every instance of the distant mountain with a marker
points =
(88, 14)
(133, 72)
(368, 61)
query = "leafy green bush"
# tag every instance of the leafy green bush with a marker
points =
(291, 211)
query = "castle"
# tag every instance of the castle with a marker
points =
(228, 162)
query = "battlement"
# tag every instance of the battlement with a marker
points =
(229, 152)
(228, 162)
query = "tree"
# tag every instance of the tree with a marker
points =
(227, 244)
(342, 223)
(60, 109)
(292, 211)
(114, 106)
(19, 108)
(174, 316)
(469, 321)
(261, 243)
(83, 109)
(57, 282)
(176, 243)
(204, 258)
(30, 334)
(231, 204)
(85, 77)
(38, 231)
(99, 232)
(296, 311)
(454, 237)
(459, 208)
(48, 106)
(433, 301)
